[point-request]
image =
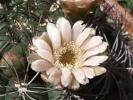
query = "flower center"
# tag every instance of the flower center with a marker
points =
(68, 55)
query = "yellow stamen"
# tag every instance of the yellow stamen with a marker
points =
(68, 55)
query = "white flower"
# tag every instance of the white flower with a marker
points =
(68, 56)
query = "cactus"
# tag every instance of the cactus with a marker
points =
(23, 20)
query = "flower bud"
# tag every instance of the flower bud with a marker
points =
(78, 8)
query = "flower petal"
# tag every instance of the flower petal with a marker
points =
(46, 38)
(64, 27)
(44, 77)
(74, 85)
(41, 44)
(99, 70)
(97, 50)
(66, 77)
(40, 65)
(95, 60)
(33, 57)
(89, 72)
(93, 42)
(80, 76)
(78, 27)
(45, 55)
(54, 79)
(52, 71)
(54, 76)
(54, 35)
(84, 35)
